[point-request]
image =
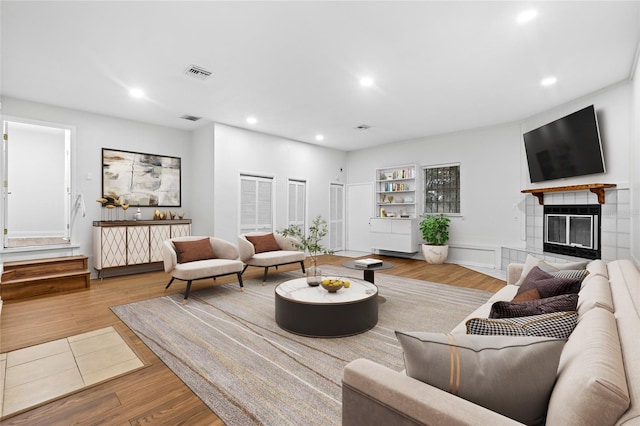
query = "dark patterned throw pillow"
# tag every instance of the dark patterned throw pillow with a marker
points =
(560, 303)
(557, 324)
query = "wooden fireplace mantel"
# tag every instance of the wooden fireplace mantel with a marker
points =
(596, 188)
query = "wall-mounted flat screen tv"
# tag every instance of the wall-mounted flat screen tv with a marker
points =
(567, 147)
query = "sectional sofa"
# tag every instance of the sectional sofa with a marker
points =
(595, 377)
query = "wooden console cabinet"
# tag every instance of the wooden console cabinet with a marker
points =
(123, 243)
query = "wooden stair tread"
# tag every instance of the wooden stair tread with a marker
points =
(66, 274)
(22, 263)
(36, 277)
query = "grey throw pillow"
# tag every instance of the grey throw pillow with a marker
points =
(495, 372)
(560, 303)
(557, 324)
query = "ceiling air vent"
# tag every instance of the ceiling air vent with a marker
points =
(190, 117)
(197, 72)
(363, 127)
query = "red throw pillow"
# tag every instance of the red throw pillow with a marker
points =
(262, 243)
(190, 251)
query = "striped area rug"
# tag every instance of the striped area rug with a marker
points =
(225, 345)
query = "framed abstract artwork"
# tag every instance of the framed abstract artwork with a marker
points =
(140, 179)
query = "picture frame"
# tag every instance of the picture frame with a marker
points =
(141, 179)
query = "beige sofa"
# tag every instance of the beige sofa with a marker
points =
(598, 379)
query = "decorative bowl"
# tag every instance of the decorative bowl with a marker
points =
(332, 284)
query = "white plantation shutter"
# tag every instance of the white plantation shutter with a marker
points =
(336, 219)
(297, 203)
(256, 204)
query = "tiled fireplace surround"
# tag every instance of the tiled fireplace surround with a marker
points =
(615, 225)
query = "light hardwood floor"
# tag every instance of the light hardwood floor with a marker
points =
(152, 395)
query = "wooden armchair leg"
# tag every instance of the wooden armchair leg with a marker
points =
(170, 281)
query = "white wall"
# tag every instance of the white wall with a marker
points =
(489, 176)
(613, 108)
(201, 172)
(93, 132)
(494, 171)
(242, 151)
(634, 161)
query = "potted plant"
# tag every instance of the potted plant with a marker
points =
(435, 232)
(311, 243)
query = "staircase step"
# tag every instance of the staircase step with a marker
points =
(28, 278)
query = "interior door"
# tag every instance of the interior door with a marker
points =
(336, 221)
(359, 210)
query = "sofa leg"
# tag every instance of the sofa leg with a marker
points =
(186, 293)
(264, 277)
(240, 281)
(244, 269)
(170, 281)
(302, 266)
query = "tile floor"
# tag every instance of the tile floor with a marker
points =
(43, 372)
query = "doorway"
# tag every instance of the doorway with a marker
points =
(37, 189)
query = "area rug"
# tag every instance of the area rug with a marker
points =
(225, 345)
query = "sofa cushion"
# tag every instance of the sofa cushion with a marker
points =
(595, 293)
(557, 324)
(492, 371)
(193, 250)
(533, 261)
(591, 387)
(548, 285)
(263, 243)
(560, 303)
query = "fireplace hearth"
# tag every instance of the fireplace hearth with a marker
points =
(573, 230)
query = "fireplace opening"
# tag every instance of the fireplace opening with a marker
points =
(572, 230)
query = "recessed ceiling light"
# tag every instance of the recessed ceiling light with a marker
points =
(527, 16)
(319, 137)
(136, 93)
(252, 120)
(549, 81)
(366, 81)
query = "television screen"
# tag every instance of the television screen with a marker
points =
(569, 146)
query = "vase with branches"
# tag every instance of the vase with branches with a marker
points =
(310, 242)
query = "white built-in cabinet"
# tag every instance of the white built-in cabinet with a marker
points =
(118, 244)
(394, 225)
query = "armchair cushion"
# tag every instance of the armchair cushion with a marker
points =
(190, 251)
(264, 243)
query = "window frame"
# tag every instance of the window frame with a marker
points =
(257, 227)
(439, 204)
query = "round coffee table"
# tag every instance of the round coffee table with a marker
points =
(313, 311)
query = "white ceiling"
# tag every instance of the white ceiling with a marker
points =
(439, 67)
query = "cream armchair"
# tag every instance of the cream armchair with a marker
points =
(266, 249)
(196, 258)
